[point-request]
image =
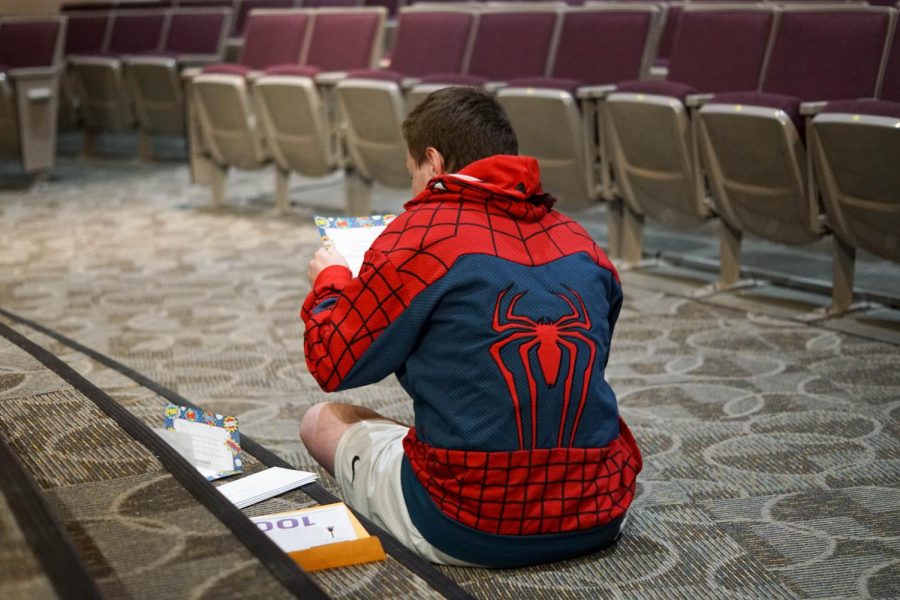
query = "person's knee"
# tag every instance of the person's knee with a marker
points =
(309, 424)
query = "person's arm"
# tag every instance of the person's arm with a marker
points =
(354, 331)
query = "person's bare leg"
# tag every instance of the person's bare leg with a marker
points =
(325, 423)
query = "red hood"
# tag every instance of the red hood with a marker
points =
(512, 183)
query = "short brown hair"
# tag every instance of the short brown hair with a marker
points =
(463, 124)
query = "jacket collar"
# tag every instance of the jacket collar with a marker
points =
(510, 183)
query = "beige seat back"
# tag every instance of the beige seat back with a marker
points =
(373, 103)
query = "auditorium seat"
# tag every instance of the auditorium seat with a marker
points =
(284, 117)
(196, 36)
(85, 34)
(296, 105)
(753, 143)
(649, 131)
(242, 10)
(104, 102)
(221, 101)
(86, 31)
(855, 149)
(597, 46)
(31, 50)
(511, 41)
(669, 32)
(373, 103)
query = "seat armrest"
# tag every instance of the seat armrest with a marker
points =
(594, 92)
(253, 76)
(697, 100)
(41, 94)
(35, 84)
(659, 72)
(190, 73)
(330, 77)
(408, 83)
(137, 59)
(808, 109)
(33, 73)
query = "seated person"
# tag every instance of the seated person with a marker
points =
(495, 312)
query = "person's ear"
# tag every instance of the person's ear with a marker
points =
(435, 161)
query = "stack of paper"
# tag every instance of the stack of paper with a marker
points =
(264, 485)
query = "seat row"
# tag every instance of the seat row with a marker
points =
(434, 47)
(275, 105)
(724, 136)
(733, 134)
(123, 67)
(31, 50)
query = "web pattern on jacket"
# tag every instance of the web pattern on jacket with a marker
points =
(526, 492)
(418, 248)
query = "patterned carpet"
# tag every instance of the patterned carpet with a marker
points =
(771, 447)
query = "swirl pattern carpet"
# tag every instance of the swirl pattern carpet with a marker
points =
(771, 446)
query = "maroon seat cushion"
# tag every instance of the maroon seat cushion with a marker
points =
(227, 69)
(547, 83)
(618, 36)
(274, 39)
(241, 18)
(790, 105)
(877, 108)
(85, 33)
(657, 88)
(720, 50)
(29, 43)
(376, 74)
(195, 33)
(293, 70)
(431, 42)
(827, 55)
(133, 33)
(454, 79)
(510, 45)
(343, 41)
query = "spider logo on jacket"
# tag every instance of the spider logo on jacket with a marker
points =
(546, 340)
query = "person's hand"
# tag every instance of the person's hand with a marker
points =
(324, 258)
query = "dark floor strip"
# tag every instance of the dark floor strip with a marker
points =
(43, 530)
(412, 561)
(285, 570)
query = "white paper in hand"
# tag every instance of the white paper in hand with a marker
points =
(352, 236)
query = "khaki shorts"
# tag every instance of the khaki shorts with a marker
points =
(367, 468)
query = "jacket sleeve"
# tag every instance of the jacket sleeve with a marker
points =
(346, 316)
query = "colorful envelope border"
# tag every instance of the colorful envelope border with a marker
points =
(196, 415)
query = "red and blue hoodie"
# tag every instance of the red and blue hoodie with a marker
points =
(495, 312)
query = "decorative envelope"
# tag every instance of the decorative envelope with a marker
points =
(214, 440)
